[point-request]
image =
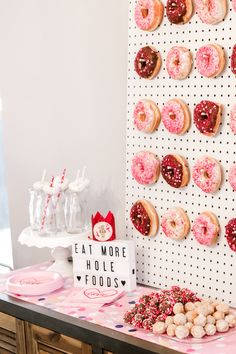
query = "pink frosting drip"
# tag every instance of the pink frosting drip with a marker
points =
(172, 224)
(143, 108)
(204, 230)
(173, 117)
(178, 63)
(145, 167)
(210, 11)
(145, 23)
(232, 122)
(207, 174)
(207, 60)
(232, 176)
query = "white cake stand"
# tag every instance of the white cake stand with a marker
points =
(59, 243)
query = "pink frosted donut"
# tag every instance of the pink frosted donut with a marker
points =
(145, 167)
(146, 116)
(175, 116)
(232, 176)
(232, 122)
(179, 63)
(207, 174)
(148, 14)
(206, 228)
(175, 223)
(210, 60)
(211, 11)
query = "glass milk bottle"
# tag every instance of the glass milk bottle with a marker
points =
(60, 205)
(76, 207)
(36, 205)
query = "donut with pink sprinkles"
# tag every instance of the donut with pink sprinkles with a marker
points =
(206, 228)
(207, 174)
(145, 168)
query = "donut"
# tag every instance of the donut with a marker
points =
(179, 63)
(148, 14)
(207, 174)
(211, 11)
(210, 60)
(233, 60)
(232, 176)
(206, 229)
(230, 230)
(175, 116)
(145, 167)
(179, 11)
(146, 116)
(144, 218)
(147, 62)
(175, 224)
(207, 117)
(232, 122)
(174, 170)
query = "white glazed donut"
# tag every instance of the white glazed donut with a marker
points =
(211, 11)
(179, 63)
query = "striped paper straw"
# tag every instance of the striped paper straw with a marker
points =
(46, 206)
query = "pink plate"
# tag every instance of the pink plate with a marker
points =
(34, 283)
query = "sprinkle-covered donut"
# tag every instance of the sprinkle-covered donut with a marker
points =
(145, 167)
(146, 116)
(232, 122)
(147, 62)
(148, 14)
(179, 11)
(211, 11)
(210, 60)
(206, 228)
(179, 63)
(230, 230)
(207, 117)
(174, 170)
(232, 176)
(144, 217)
(233, 60)
(207, 174)
(176, 116)
(175, 223)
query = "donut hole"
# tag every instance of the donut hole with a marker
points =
(172, 116)
(144, 12)
(142, 116)
(173, 223)
(204, 229)
(176, 62)
(206, 175)
(142, 64)
(204, 116)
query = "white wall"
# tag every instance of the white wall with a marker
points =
(63, 86)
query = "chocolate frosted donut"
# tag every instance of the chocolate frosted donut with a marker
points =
(147, 62)
(144, 217)
(233, 60)
(174, 170)
(231, 234)
(178, 11)
(207, 117)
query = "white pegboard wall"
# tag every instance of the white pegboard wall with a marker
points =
(161, 262)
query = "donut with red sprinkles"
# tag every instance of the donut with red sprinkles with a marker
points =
(147, 62)
(233, 60)
(230, 231)
(175, 171)
(179, 11)
(144, 217)
(207, 117)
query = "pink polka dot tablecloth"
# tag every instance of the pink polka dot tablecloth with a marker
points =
(111, 316)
